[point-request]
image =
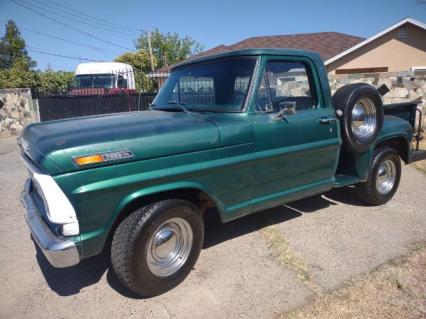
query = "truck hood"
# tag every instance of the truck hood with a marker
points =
(148, 134)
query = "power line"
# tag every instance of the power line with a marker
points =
(41, 51)
(69, 11)
(61, 55)
(101, 50)
(99, 20)
(69, 26)
(38, 50)
(79, 20)
(92, 17)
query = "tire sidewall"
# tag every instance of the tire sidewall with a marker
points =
(387, 154)
(141, 274)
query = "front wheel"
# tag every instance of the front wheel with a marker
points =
(155, 247)
(383, 177)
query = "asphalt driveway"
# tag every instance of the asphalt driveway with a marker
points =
(255, 267)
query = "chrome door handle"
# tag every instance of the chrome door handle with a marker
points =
(327, 120)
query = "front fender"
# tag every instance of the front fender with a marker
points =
(94, 240)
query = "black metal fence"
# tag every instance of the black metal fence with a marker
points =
(78, 102)
(55, 107)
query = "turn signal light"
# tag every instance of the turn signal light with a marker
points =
(89, 159)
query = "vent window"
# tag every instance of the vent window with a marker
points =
(403, 32)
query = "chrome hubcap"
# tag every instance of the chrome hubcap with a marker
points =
(386, 175)
(169, 247)
(364, 119)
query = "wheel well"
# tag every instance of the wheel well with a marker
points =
(199, 198)
(399, 144)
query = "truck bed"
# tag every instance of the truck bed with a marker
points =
(406, 111)
(409, 112)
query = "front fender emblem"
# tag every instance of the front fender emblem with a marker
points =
(102, 157)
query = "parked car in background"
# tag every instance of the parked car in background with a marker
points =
(241, 132)
(103, 78)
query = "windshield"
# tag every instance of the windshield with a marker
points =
(94, 81)
(217, 86)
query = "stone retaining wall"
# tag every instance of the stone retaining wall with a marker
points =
(17, 110)
(404, 86)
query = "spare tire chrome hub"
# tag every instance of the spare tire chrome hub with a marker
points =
(386, 175)
(169, 247)
(364, 119)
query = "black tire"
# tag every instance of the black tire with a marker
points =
(129, 249)
(345, 100)
(368, 191)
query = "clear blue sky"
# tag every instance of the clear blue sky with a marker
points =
(209, 22)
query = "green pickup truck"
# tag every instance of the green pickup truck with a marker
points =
(237, 132)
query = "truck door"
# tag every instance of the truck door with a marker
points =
(296, 134)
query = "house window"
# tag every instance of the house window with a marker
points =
(418, 68)
(362, 70)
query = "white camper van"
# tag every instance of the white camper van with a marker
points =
(103, 78)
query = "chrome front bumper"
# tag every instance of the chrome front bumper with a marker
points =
(60, 252)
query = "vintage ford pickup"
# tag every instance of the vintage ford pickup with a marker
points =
(238, 132)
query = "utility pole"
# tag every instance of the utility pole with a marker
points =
(150, 51)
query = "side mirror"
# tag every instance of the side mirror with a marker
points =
(287, 108)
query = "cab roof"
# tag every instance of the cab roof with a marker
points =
(251, 52)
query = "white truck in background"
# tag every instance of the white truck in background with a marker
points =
(100, 78)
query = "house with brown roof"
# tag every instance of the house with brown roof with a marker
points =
(401, 47)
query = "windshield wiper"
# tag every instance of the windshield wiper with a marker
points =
(181, 105)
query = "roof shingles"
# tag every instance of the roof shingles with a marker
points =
(327, 44)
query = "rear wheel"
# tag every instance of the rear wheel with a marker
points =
(383, 177)
(155, 247)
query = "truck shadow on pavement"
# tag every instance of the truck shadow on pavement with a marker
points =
(70, 281)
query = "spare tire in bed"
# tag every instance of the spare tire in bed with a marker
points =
(361, 115)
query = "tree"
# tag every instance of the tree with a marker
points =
(138, 60)
(18, 75)
(12, 48)
(50, 82)
(15, 64)
(17, 68)
(141, 66)
(168, 48)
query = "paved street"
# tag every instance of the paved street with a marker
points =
(255, 267)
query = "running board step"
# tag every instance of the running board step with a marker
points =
(345, 180)
(416, 156)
